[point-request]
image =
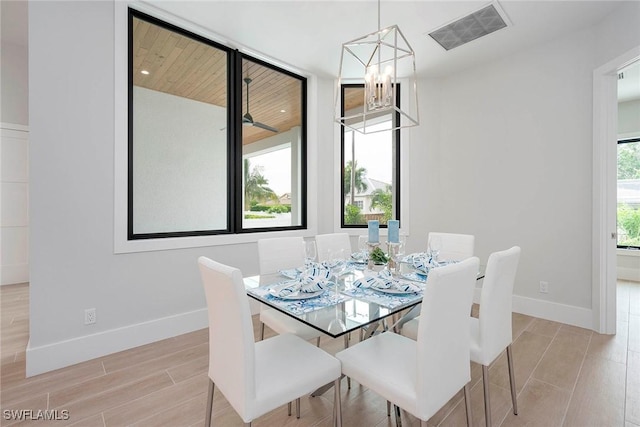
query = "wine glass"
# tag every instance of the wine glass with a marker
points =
(310, 251)
(363, 248)
(435, 245)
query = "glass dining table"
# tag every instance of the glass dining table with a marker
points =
(344, 307)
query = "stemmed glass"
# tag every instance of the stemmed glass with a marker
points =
(435, 244)
(310, 251)
(363, 248)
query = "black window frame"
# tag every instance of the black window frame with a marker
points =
(397, 150)
(629, 247)
(234, 137)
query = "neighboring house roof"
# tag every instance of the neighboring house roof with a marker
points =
(372, 185)
(629, 191)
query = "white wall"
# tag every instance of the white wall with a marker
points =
(519, 132)
(180, 164)
(139, 297)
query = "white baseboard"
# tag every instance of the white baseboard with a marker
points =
(563, 313)
(58, 355)
(14, 273)
(628, 273)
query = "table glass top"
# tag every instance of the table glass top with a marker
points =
(353, 303)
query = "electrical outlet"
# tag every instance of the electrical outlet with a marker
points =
(90, 316)
(544, 287)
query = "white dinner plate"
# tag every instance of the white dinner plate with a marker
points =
(393, 291)
(294, 296)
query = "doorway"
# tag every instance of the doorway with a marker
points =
(605, 130)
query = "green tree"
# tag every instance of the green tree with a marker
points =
(629, 161)
(629, 221)
(255, 186)
(359, 180)
(383, 200)
(352, 215)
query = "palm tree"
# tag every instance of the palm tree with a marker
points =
(359, 175)
(383, 199)
(255, 186)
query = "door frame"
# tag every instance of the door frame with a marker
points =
(605, 137)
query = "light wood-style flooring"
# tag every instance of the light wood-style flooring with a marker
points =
(565, 376)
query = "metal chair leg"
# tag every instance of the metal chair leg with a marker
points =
(388, 408)
(337, 405)
(298, 408)
(318, 342)
(207, 418)
(487, 403)
(512, 380)
(289, 408)
(396, 409)
(346, 345)
(467, 404)
(261, 331)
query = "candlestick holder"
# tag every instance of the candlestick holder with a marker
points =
(393, 252)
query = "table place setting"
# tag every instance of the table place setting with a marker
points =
(306, 290)
(384, 289)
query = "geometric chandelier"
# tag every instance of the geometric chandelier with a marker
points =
(381, 60)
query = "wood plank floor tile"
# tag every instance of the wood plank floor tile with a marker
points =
(544, 327)
(115, 397)
(539, 404)
(561, 363)
(634, 332)
(528, 349)
(611, 347)
(165, 383)
(599, 395)
(165, 398)
(632, 408)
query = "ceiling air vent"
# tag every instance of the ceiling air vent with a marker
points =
(470, 27)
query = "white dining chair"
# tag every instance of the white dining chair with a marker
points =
(275, 254)
(329, 243)
(256, 378)
(422, 376)
(491, 331)
(453, 247)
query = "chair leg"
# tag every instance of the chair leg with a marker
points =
(298, 408)
(318, 342)
(289, 408)
(467, 404)
(396, 410)
(388, 408)
(487, 403)
(337, 405)
(261, 331)
(207, 418)
(346, 345)
(512, 380)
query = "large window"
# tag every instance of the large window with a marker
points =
(370, 170)
(217, 140)
(629, 193)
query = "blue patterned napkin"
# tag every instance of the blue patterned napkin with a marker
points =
(311, 280)
(384, 281)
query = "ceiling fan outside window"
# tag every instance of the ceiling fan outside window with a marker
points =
(247, 119)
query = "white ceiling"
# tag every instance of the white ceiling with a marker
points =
(309, 34)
